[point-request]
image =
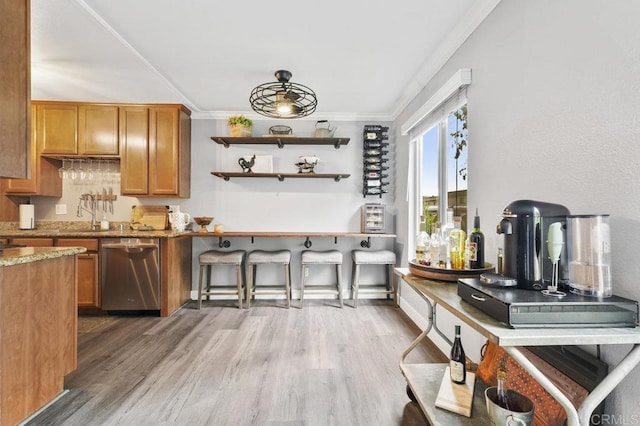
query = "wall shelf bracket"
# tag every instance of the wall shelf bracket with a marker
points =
(223, 243)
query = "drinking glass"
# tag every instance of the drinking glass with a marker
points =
(63, 170)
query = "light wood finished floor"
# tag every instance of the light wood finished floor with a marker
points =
(321, 365)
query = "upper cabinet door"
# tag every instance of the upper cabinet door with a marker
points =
(44, 178)
(15, 80)
(164, 154)
(98, 130)
(134, 150)
(57, 128)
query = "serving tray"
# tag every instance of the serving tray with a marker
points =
(446, 274)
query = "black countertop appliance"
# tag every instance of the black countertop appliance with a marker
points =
(525, 225)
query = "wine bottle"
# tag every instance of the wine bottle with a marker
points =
(501, 391)
(476, 245)
(457, 363)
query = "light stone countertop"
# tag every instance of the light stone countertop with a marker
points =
(15, 256)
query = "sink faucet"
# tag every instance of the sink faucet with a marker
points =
(93, 205)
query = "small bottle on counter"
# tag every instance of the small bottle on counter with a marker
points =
(457, 243)
(447, 227)
(457, 360)
(434, 245)
(422, 244)
(104, 224)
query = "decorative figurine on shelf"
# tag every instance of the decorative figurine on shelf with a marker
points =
(247, 163)
(306, 163)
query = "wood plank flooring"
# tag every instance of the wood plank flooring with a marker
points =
(269, 365)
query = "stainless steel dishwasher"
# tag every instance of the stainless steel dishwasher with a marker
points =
(130, 274)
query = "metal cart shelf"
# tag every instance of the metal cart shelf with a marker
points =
(445, 295)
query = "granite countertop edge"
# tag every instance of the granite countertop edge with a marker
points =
(71, 233)
(16, 256)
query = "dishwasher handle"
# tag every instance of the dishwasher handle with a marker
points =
(127, 247)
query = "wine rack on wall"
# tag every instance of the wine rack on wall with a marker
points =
(375, 161)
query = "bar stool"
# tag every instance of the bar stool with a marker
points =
(212, 258)
(331, 257)
(379, 257)
(262, 257)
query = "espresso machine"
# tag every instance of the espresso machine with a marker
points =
(555, 272)
(525, 225)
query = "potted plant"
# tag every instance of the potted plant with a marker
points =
(239, 125)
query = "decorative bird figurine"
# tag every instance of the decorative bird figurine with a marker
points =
(246, 164)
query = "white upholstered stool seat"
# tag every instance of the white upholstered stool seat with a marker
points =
(377, 257)
(331, 257)
(263, 257)
(211, 258)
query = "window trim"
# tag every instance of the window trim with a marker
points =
(416, 126)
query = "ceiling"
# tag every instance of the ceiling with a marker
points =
(364, 60)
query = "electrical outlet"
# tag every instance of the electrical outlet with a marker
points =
(61, 209)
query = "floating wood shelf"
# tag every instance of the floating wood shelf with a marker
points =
(281, 176)
(281, 141)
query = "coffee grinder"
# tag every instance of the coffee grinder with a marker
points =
(525, 225)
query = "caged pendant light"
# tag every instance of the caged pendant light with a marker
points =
(283, 99)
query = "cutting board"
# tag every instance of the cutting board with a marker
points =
(155, 217)
(456, 398)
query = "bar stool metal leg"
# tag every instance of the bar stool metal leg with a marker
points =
(356, 281)
(200, 279)
(239, 280)
(339, 285)
(305, 268)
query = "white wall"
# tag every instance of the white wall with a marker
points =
(553, 116)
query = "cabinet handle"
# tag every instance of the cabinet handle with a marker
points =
(478, 298)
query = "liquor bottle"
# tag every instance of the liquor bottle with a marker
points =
(457, 363)
(422, 244)
(457, 243)
(434, 246)
(446, 230)
(476, 245)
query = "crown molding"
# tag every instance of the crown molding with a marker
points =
(334, 117)
(446, 49)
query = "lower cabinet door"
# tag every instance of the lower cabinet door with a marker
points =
(88, 290)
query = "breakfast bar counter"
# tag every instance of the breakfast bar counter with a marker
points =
(366, 238)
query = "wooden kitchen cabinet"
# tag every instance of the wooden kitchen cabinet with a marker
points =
(83, 129)
(98, 130)
(88, 273)
(38, 334)
(156, 153)
(44, 178)
(134, 150)
(33, 242)
(15, 86)
(57, 128)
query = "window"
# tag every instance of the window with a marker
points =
(442, 153)
(437, 178)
